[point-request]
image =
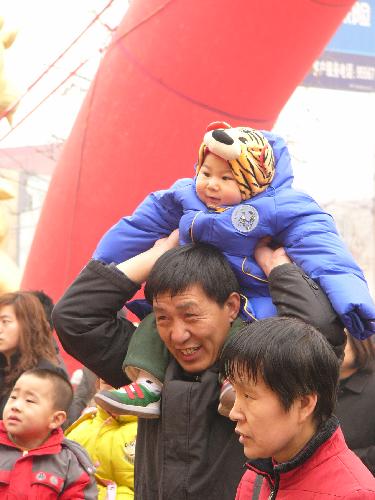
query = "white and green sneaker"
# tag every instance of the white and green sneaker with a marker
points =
(134, 399)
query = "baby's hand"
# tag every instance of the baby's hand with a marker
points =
(268, 258)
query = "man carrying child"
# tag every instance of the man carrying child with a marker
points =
(191, 451)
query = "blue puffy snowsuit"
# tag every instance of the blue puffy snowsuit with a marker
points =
(292, 218)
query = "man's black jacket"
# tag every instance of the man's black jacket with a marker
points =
(191, 452)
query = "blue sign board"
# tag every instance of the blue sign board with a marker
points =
(348, 61)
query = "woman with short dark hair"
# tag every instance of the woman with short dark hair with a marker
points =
(285, 375)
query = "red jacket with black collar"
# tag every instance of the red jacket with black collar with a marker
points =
(324, 470)
(58, 468)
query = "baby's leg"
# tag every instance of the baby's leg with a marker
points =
(146, 351)
(145, 364)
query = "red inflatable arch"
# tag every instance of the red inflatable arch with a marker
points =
(172, 67)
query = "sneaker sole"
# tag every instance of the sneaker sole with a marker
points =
(117, 408)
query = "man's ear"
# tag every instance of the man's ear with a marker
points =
(57, 419)
(307, 405)
(233, 303)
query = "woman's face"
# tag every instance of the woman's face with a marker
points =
(9, 331)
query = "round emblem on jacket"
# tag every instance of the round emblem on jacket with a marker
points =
(54, 480)
(129, 451)
(245, 218)
(40, 476)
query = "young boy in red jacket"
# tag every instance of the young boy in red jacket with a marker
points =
(285, 377)
(36, 461)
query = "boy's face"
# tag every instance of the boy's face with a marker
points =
(29, 414)
(265, 428)
(216, 185)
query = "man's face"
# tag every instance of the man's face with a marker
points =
(29, 411)
(265, 428)
(194, 327)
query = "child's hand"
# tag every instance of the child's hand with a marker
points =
(268, 258)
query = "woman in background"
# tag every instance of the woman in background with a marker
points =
(355, 408)
(25, 339)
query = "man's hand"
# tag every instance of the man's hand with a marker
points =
(168, 242)
(138, 268)
(268, 258)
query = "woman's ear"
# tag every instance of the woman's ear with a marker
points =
(307, 405)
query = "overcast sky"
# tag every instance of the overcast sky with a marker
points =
(45, 29)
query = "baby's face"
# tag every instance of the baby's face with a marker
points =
(216, 185)
(29, 411)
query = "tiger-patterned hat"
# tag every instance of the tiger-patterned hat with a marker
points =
(247, 151)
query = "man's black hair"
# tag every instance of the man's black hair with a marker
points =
(290, 356)
(47, 304)
(189, 265)
(63, 390)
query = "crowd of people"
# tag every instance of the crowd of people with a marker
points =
(250, 375)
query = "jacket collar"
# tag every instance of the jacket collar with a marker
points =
(50, 446)
(327, 441)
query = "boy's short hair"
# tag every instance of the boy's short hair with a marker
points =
(292, 357)
(193, 264)
(63, 390)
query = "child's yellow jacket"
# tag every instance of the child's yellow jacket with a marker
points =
(110, 442)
